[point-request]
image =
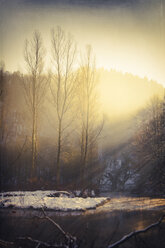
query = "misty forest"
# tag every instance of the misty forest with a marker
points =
(82, 124)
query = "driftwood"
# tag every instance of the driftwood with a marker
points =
(70, 240)
(130, 235)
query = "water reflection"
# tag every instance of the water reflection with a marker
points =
(133, 203)
(94, 228)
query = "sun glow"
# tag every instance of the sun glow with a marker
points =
(124, 40)
(124, 93)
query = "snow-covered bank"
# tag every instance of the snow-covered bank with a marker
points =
(44, 199)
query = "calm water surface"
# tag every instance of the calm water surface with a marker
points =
(93, 228)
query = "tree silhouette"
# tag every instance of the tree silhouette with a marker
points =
(62, 86)
(34, 87)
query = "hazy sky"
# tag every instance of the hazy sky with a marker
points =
(126, 35)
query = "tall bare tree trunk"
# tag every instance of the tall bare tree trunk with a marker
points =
(2, 110)
(90, 126)
(59, 152)
(35, 87)
(62, 86)
(34, 131)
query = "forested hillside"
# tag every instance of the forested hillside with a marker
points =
(115, 127)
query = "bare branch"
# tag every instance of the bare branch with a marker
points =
(20, 153)
(130, 235)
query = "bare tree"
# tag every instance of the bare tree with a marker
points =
(34, 86)
(91, 126)
(150, 147)
(2, 113)
(2, 99)
(62, 86)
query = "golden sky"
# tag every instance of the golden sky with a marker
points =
(127, 37)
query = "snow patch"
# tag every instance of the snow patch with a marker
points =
(47, 200)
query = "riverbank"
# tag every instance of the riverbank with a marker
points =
(93, 228)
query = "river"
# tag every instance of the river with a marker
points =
(93, 228)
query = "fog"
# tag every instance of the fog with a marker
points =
(125, 35)
(74, 96)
